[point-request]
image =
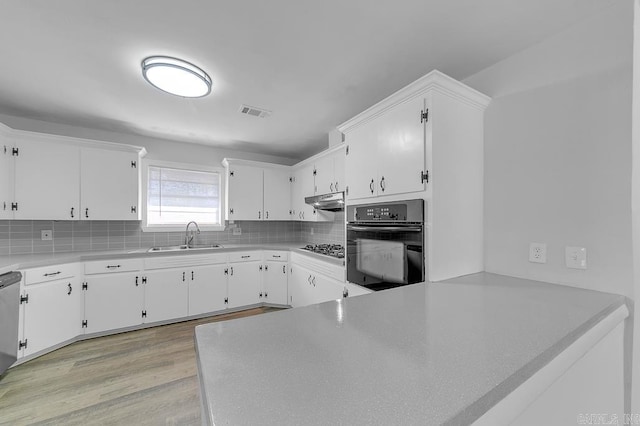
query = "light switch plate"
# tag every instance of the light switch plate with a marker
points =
(575, 257)
(46, 235)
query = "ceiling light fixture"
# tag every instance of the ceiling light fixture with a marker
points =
(176, 76)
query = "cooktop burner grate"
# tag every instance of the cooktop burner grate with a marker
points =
(334, 250)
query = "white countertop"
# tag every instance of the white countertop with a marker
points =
(440, 353)
(24, 261)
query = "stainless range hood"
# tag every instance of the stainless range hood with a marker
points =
(331, 202)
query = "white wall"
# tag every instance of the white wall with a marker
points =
(558, 154)
(158, 149)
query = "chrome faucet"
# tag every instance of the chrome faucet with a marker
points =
(188, 237)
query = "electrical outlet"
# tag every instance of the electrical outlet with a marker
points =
(237, 231)
(538, 252)
(575, 257)
(46, 235)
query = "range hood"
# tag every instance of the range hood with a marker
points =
(331, 202)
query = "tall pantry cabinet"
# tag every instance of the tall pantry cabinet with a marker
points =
(426, 141)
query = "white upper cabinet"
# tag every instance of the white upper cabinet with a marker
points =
(257, 191)
(109, 184)
(277, 194)
(7, 162)
(47, 179)
(329, 172)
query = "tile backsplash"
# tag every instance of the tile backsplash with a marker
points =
(24, 236)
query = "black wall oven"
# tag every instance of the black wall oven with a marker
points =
(385, 244)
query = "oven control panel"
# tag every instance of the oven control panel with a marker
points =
(399, 211)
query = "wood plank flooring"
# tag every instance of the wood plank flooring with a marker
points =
(145, 377)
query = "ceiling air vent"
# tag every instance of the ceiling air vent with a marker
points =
(256, 112)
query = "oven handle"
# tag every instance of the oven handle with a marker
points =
(385, 228)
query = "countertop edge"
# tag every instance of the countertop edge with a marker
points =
(559, 358)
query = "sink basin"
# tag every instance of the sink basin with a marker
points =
(183, 247)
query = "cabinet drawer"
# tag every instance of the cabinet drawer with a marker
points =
(51, 273)
(112, 266)
(246, 256)
(276, 255)
(184, 261)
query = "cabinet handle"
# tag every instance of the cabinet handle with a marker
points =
(382, 184)
(371, 186)
(309, 279)
(277, 256)
(300, 215)
(191, 275)
(113, 266)
(337, 187)
(267, 215)
(259, 215)
(71, 211)
(52, 274)
(183, 277)
(266, 295)
(232, 270)
(331, 187)
(86, 212)
(284, 269)
(245, 256)
(70, 289)
(313, 281)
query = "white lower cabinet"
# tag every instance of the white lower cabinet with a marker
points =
(207, 289)
(166, 294)
(275, 278)
(52, 314)
(308, 287)
(244, 283)
(113, 301)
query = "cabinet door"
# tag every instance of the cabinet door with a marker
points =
(207, 289)
(244, 284)
(166, 294)
(324, 181)
(53, 314)
(275, 283)
(361, 161)
(47, 184)
(277, 194)
(109, 189)
(113, 301)
(7, 162)
(401, 142)
(302, 187)
(301, 290)
(244, 192)
(339, 170)
(326, 288)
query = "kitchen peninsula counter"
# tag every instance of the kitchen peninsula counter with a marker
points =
(440, 353)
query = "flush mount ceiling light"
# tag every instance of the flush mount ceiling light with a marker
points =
(176, 76)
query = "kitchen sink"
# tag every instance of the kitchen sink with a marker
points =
(183, 247)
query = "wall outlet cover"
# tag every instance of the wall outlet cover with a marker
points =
(538, 252)
(575, 257)
(237, 231)
(46, 235)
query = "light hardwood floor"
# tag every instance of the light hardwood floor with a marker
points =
(145, 377)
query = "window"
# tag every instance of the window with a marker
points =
(177, 194)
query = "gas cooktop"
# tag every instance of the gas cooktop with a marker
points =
(334, 250)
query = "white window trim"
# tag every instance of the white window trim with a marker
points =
(185, 166)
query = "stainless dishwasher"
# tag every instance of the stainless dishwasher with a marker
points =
(9, 311)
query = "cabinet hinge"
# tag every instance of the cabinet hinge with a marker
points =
(24, 299)
(226, 300)
(232, 173)
(346, 190)
(144, 280)
(226, 272)
(266, 267)
(134, 209)
(290, 179)
(14, 206)
(134, 164)
(85, 285)
(144, 314)
(424, 176)
(84, 323)
(346, 152)
(230, 211)
(15, 152)
(315, 172)
(260, 267)
(5, 149)
(22, 344)
(424, 115)
(4, 206)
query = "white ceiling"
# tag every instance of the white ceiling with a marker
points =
(314, 64)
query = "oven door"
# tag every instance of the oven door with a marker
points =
(381, 256)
